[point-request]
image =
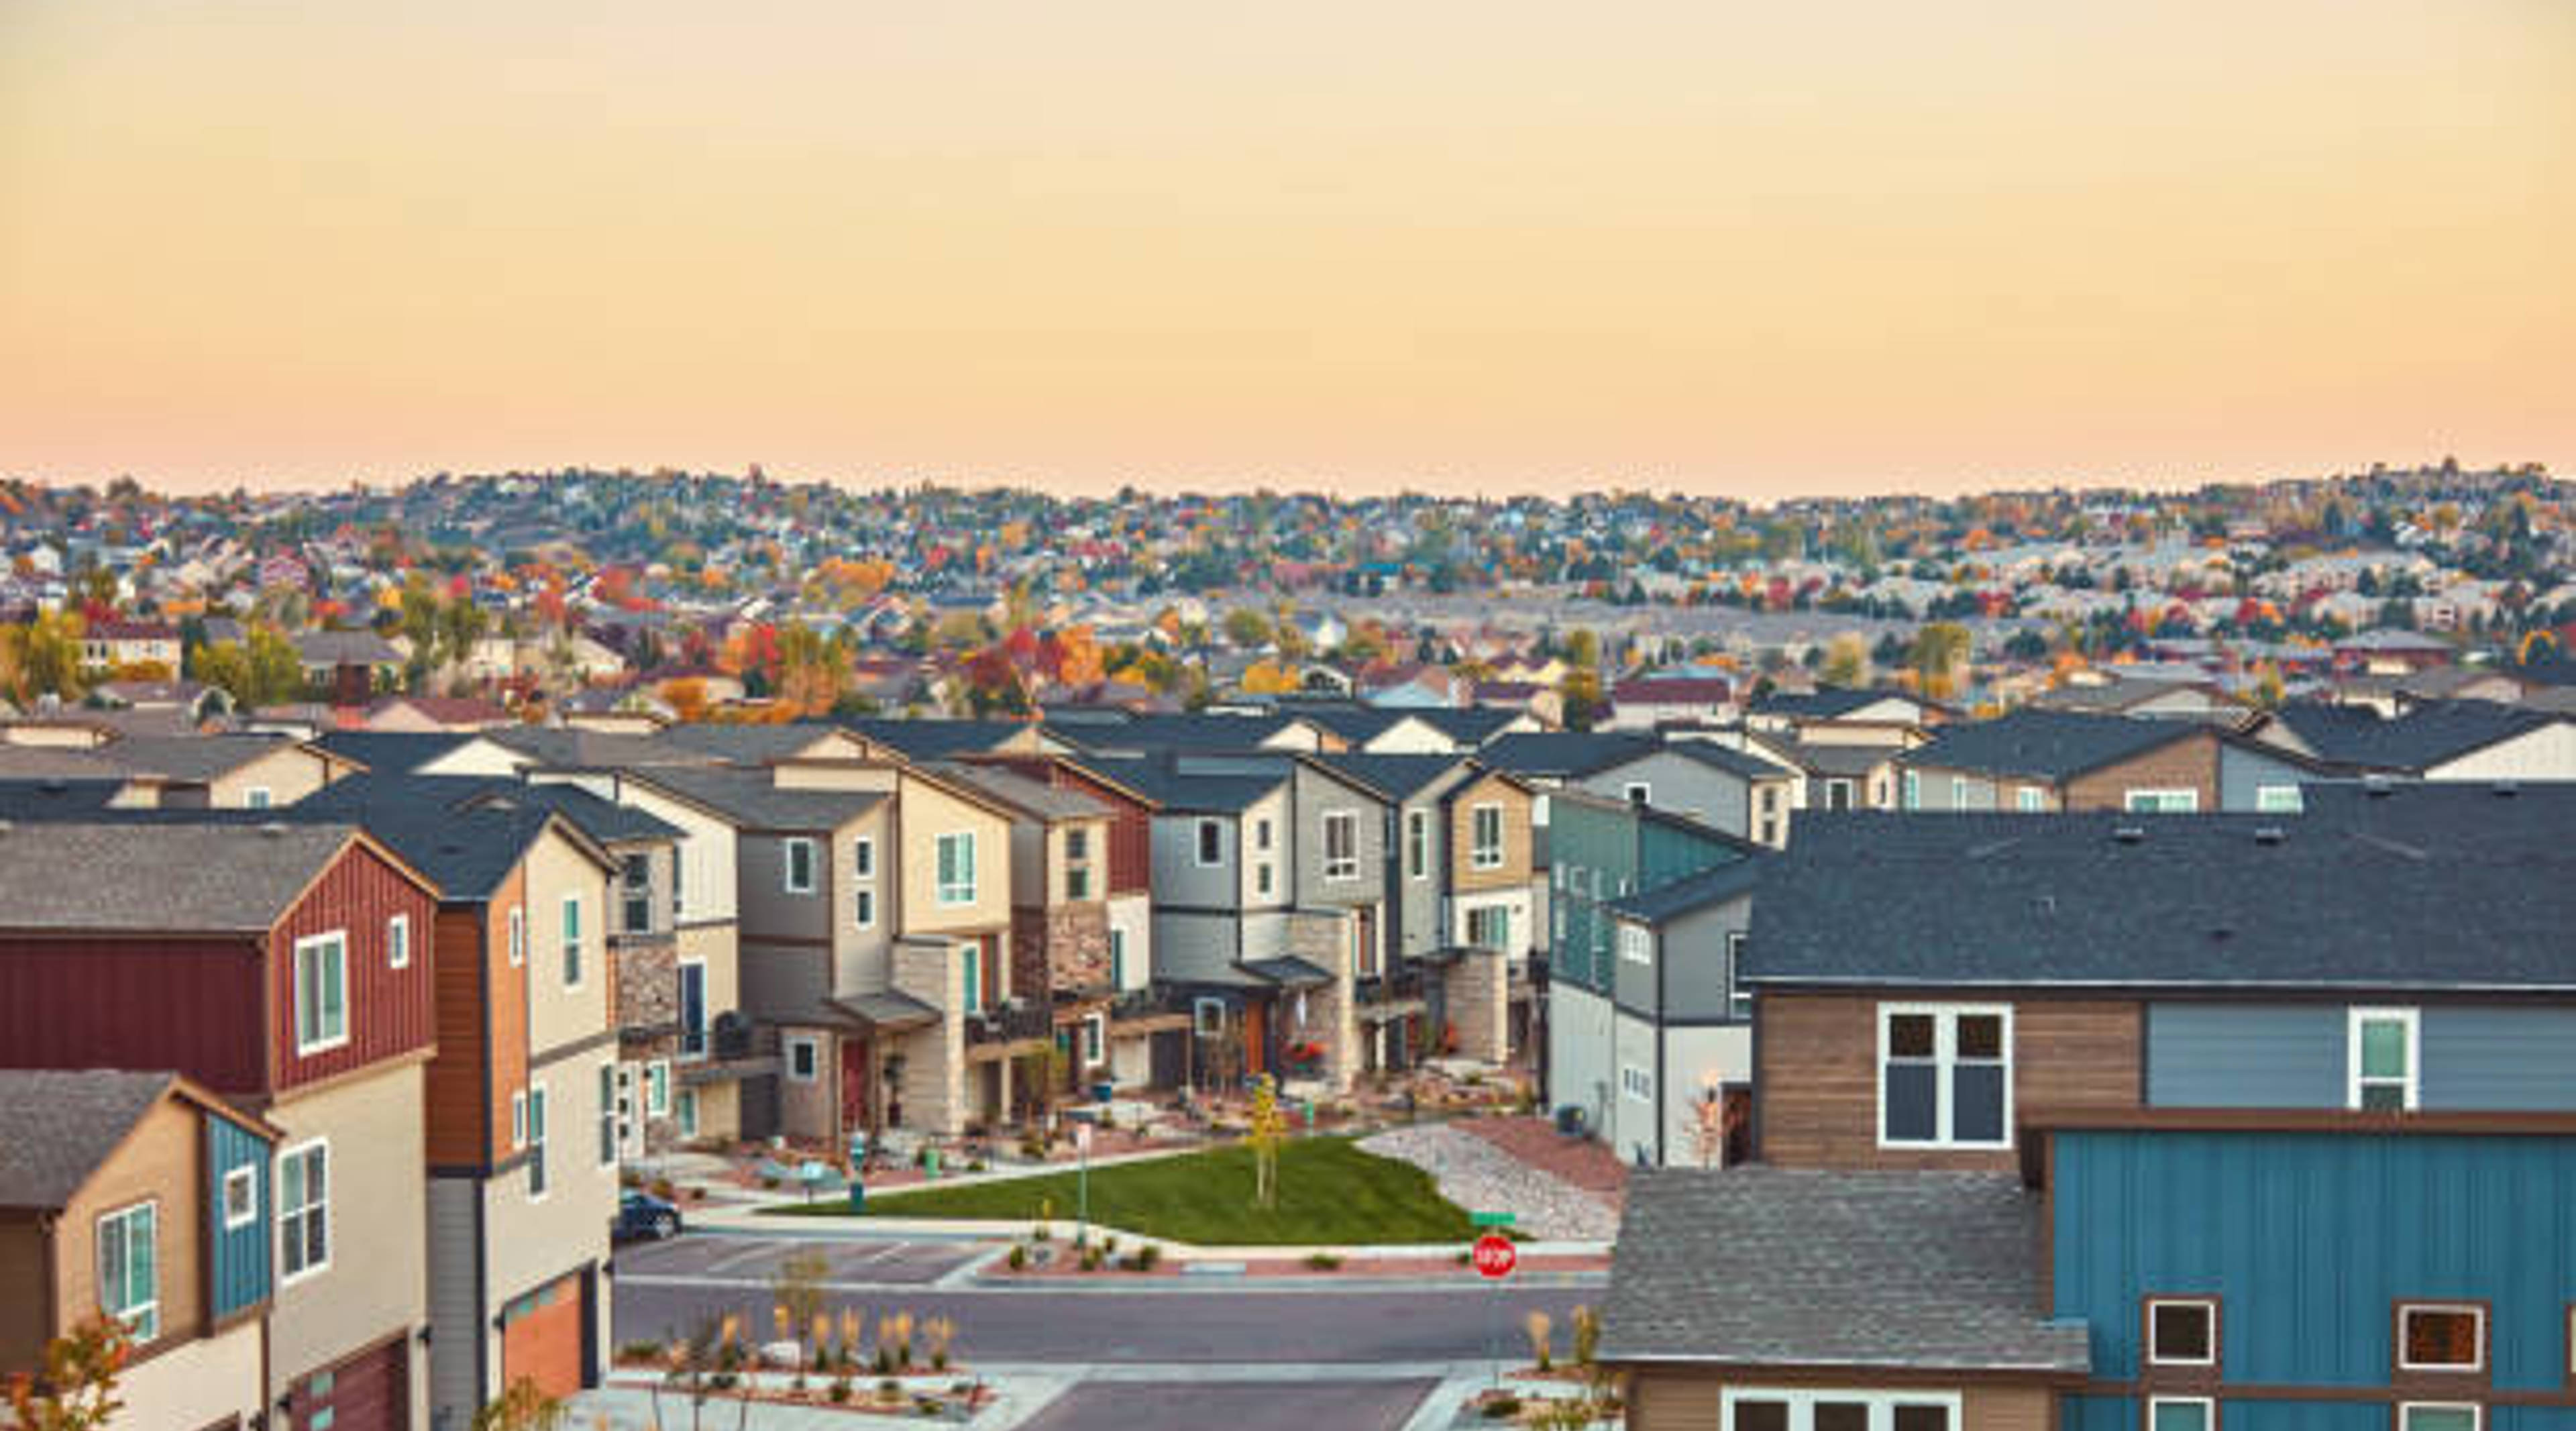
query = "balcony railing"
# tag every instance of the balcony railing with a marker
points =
(1392, 987)
(1010, 1023)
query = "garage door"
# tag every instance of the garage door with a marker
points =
(369, 1392)
(541, 1338)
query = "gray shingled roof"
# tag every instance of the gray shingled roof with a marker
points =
(1035, 798)
(1710, 886)
(190, 757)
(1759, 1266)
(1397, 777)
(751, 798)
(2425, 736)
(225, 876)
(60, 1124)
(2050, 745)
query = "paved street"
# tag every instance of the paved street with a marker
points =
(1237, 1406)
(754, 1261)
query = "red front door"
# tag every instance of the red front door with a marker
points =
(854, 1083)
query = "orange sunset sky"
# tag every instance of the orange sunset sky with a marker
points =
(1465, 245)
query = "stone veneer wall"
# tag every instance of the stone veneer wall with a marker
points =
(932, 1087)
(1476, 991)
(1332, 1012)
(1061, 946)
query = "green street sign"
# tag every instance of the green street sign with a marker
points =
(1489, 1219)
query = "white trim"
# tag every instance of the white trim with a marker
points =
(1199, 843)
(2207, 1405)
(518, 935)
(2166, 801)
(812, 1048)
(2206, 1304)
(326, 1042)
(706, 1028)
(788, 849)
(951, 895)
(1636, 944)
(1095, 1040)
(258, 797)
(144, 1316)
(1479, 856)
(1801, 1403)
(2470, 1309)
(863, 857)
(612, 1131)
(1635, 1083)
(1945, 1040)
(863, 906)
(1338, 869)
(576, 967)
(277, 1180)
(2353, 1021)
(2030, 800)
(541, 1182)
(250, 1213)
(2477, 1413)
(2267, 799)
(657, 1081)
(518, 1120)
(1417, 844)
(398, 942)
(1638, 792)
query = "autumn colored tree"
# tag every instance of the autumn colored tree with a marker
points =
(75, 1387)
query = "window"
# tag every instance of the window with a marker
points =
(863, 857)
(2029, 800)
(1913, 790)
(957, 868)
(1636, 945)
(804, 1058)
(1958, 792)
(2279, 799)
(257, 797)
(1211, 843)
(2439, 1416)
(636, 883)
(1341, 845)
(1118, 958)
(2182, 1332)
(1095, 1040)
(2441, 1336)
(518, 1121)
(1207, 1017)
(1261, 833)
(1810, 1410)
(321, 992)
(2181, 1413)
(693, 1009)
(2163, 802)
(607, 1114)
(1261, 878)
(1838, 795)
(536, 1142)
(518, 936)
(241, 1197)
(1945, 1076)
(1636, 1083)
(796, 866)
(1485, 847)
(657, 1088)
(971, 971)
(1489, 926)
(572, 941)
(398, 942)
(1077, 843)
(1739, 999)
(2381, 1059)
(303, 1210)
(684, 1111)
(1417, 844)
(1639, 792)
(1077, 882)
(129, 1273)
(863, 907)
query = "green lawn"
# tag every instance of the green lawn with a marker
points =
(1329, 1192)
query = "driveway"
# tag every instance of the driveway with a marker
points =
(1234, 1405)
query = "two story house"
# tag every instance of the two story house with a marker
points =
(2037, 761)
(144, 1197)
(286, 968)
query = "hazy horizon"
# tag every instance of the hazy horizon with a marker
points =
(1465, 249)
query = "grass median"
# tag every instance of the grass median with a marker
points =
(1329, 1193)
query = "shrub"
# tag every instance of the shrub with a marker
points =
(1019, 1258)
(1587, 1335)
(1091, 1259)
(840, 1391)
(1148, 1256)
(640, 1351)
(1502, 1408)
(1325, 1262)
(1538, 1324)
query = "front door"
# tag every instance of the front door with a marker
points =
(856, 1060)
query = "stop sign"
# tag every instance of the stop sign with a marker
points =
(1495, 1256)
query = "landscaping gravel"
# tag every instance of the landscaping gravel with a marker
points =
(1480, 1177)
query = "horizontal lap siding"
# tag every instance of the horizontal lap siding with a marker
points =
(391, 1011)
(1817, 1098)
(1665, 1399)
(2184, 765)
(190, 1004)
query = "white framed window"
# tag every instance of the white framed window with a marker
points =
(1207, 1017)
(398, 942)
(1945, 1076)
(863, 857)
(970, 976)
(804, 1059)
(2279, 799)
(684, 1112)
(956, 852)
(241, 1197)
(1958, 792)
(2441, 1336)
(518, 1121)
(1739, 999)
(1262, 878)
(518, 936)
(657, 1088)
(537, 1177)
(1485, 843)
(1636, 944)
(1838, 794)
(2181, 1413)
(572, 941)
(2182, 1331)
(129, 1268)
(2029, 800)
(796, 866)
(1913, 790)
(1211, 843)
(607, 1115)
(1095, 1040)
(303, 1210)
(2380, 1059)
(1639, 792)
(1489, 926)
(1261, 833)
(2162, 802)
(693, 1008)
(1814, 1409)
(635, 890)
(2440, 1416)
(258, 797)
(1417, 844)
(863, 907)
(1117, 958)
(321, 992)
(1341, 845)
(1636, 1083)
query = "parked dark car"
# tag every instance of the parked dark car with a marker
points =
(642, 1215)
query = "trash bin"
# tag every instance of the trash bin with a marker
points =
(930, 1164)
(858, 1196)
(1103, 1091)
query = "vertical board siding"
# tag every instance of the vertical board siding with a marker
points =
(2245, 1055)
(186, 1003)
(237, 1270)
(2311, 1238)
(390, 1010)
(459, 1133)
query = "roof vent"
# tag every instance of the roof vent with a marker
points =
(2506, 789)
(2222, 934)
(273, 828)
(2129, 834)
(2044, 904)
(2270, 835)
(2377, 787)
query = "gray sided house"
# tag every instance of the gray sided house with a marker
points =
(1736, 791)
(1682, 1027)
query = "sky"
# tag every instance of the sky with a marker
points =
(1476, 246)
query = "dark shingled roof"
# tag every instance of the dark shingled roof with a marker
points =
(222, 875)
(750, 744)
(1563, 752)
(190, 757)
(2426, 735)
(1824, 703)
(937, 739)
(2414, 887)
(1714, 885)
(466, 853)
(1396, 777)
(362, 796)
(1024, 796)
(2050, 745)
(752, 798)
(58, 799)
(1180, 794)
(1761, 1266)
(60, 1124)
(389, 752)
